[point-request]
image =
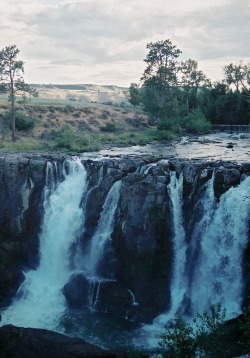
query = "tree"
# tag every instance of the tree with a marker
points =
(134, 94)
(160, 78)
(239, 76)
(191, 79)
(169, 87)
(11, 71)
(201, 338)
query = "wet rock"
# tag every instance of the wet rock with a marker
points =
(18, 342)
(76, 291)
(224, 179)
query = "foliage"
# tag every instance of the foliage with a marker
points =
(245, 331)
(239, 76)
(66, 138)
(11, 76)
(196, 122)
(23, 122)
(200, 338)
(109, 127)
(166, 82)
(134, 94)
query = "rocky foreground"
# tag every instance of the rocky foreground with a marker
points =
(16, 342)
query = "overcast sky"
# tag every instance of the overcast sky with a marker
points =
(104, 41)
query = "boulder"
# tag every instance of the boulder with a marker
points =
(101, 295)
(224, 179)
(20, 342)
(76, 290)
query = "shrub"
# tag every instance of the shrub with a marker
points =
(24, 123)
(196, 122)
(66, 138)
(202, 338)
(245, 331)
(109, 127)
(165, 125)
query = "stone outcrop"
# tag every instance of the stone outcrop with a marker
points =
(18, 342)
(22, 180)
(136, 270)
(107, 296)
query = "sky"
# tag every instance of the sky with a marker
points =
(104, 41)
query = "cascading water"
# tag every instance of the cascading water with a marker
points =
(104, 230)
(222, 235)
(40, 302)
(179, 278)
(207, 258)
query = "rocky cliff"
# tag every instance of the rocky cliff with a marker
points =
(136, 267)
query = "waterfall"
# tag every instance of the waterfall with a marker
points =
(39, 302)
(222, 236)
(179, 278)
(219, 240)
(104, 230)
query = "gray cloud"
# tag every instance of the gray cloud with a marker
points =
(102, 36)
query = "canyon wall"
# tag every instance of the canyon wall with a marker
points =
(134, 272)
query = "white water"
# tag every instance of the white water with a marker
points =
(104, 229)
(179, 279)
(223, 235)
(40, 302)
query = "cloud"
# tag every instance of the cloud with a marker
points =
(107, 37)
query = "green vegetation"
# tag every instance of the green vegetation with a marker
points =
(245, 331)
(109, 127)
(173, 98)
(177, 96)
(12, 83)
(201, 338)
(196, 122)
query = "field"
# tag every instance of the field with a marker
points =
(64, 120)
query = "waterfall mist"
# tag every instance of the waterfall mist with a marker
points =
(40, 302)
(201, 262)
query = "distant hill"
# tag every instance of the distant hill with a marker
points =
(83, 92)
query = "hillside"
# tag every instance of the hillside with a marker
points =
(83, 92)
(75, 117)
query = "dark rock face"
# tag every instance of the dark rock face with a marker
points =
(135, 273)
(22, 179)
(29, 343)
(107, 296)
(224, 179)
(76, 291)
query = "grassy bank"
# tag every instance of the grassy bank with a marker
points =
(43, 126)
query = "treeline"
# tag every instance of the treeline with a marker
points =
(176, 93)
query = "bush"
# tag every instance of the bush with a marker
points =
(196, 122)
(66, 138)
(24, 123)
(109, 127)
(202, 338)
(245, 331)
(165, 125)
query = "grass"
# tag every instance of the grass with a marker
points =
(40, 101)
(69, 141)
(62, 127)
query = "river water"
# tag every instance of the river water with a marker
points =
(209, 147)
(42, 288)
